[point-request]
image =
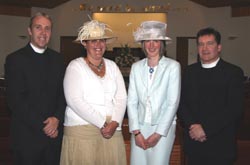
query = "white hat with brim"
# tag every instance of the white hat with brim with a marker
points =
(94, 30)
(151, 30)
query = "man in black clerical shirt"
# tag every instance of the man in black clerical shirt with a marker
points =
(211, 104)
(34, 78)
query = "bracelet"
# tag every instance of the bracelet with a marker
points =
(104, 125)
(138, 133)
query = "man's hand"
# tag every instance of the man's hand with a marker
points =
(197, 133)
(50, 128)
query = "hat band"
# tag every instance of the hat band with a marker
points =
(96, 34)
(147, 34)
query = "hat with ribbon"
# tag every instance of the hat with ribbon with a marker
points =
(151, 30)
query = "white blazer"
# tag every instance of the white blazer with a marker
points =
(164, 94)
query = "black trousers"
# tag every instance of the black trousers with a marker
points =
(49, 155)
(201, 160)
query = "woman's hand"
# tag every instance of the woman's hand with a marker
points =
(153, 139)
(109, 130)
(140, 141)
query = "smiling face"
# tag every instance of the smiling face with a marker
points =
(95, 48)
(208, 49)
(152, 47)
(40, 32)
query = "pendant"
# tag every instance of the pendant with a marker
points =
(151, 70)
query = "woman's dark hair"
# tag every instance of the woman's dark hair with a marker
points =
(209, 31)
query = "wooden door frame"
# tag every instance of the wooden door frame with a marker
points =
(182, 51)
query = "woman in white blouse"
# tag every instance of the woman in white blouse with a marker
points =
(96, 101)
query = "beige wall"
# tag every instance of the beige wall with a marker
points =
(185, 18)
(124, 24)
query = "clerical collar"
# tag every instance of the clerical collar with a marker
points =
(37, 50)
(211, 65)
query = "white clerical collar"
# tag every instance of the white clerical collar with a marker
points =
(37, 50)
(211, 65)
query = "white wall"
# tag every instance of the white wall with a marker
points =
(11, 28)
(187, 23)
(185, 18)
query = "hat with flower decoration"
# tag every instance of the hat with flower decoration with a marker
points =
(94, 30)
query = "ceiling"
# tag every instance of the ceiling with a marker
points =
(33, 3)
(53, 3)
(223, 3)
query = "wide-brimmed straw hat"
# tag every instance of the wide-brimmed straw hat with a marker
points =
(151, 30)
(94, 30)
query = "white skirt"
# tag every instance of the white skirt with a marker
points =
(159, 154)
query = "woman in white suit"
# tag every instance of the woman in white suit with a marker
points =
(153, 98)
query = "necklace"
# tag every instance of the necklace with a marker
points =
(151, 71)
(98, 67)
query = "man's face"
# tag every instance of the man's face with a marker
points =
(40, 32)
(208, 49)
